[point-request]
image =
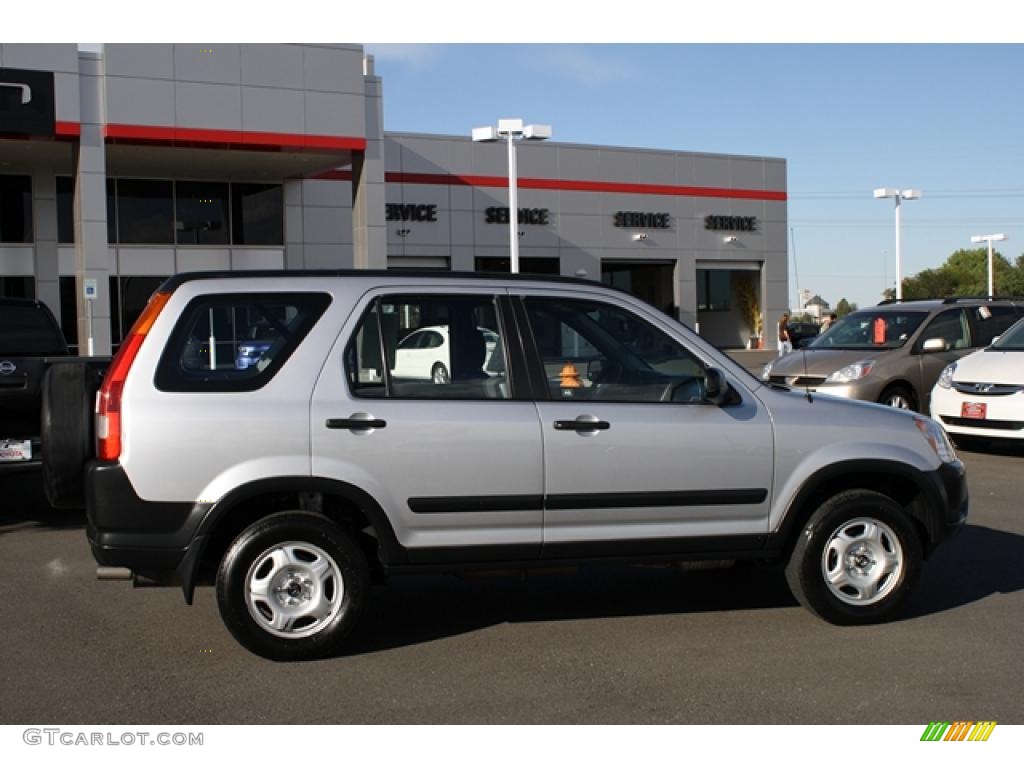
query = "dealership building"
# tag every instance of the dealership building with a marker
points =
(122, 167)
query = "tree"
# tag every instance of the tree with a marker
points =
(844, 307)
(965, 273)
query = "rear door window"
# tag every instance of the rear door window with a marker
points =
(445, 347)
(236, 342)
(990, 322)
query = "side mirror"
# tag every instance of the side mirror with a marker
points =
(716, 386)
(934, 345)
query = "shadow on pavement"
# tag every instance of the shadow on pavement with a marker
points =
(24, 505)
(992, 447)
(977, 563)
(418, 609)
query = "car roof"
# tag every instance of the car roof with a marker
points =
(174, 281)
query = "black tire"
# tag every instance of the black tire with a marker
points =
(249, 617)
(66, 432)
(896, 394)
(439, 374)
(818, 548)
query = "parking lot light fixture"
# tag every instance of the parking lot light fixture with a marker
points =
(512, 130)
(989, 239)
(898, 195)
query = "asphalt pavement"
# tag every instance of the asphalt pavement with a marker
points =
(608, 645)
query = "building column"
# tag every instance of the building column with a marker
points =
(46, 264)
(294, 253)
(92, 251)
(369, 235)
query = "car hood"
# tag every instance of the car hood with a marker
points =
(820, 362)
(991, 366)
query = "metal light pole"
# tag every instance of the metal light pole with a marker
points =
(989, 239)
(512, 130)
(898, 195)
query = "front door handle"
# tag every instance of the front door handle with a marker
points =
(357, 421)
(582, 424)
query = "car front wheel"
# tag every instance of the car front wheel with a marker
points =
(899, 397)
(291, 586)
(856, 559)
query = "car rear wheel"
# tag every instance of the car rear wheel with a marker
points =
(439, 374)
(291, 586)
(899, 397)
(856, 559)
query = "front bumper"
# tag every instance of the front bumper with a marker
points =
(1004, 414)
(946, 492)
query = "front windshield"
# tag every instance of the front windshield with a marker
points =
(870, 329)
(1012, 339)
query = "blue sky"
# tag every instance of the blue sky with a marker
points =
(946, 119)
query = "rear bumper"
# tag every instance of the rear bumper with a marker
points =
(150, 538)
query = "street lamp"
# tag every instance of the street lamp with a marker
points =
(898, 195)
(512, 130)
(989, 239)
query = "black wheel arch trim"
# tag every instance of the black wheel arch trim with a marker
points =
(940, 505)
(392, 553)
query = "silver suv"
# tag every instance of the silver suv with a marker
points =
(574, 424)
(894, 353)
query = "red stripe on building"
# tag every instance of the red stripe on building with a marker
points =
(569, 185)
(210, 137)
(67, 130)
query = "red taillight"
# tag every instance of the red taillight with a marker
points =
(108, 403)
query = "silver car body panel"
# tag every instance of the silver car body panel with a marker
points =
(217, 442)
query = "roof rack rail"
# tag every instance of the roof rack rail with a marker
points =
(884, 302)
(955, 299)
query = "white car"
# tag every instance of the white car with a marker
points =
(425, 354)
(981, 396)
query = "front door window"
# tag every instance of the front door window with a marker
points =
(596, 351)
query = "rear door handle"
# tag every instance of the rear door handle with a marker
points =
(360, 421)
(582, 424)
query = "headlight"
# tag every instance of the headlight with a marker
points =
(937, 438)
(946, 377)
(766, 372)
(852, 372)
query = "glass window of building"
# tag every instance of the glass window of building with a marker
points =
(528, 265)
(714, 289)
(145, 209)
(15, 287)
(65, 209)
(128, 297)
(15, 209)
(257, 214)
(201, 211)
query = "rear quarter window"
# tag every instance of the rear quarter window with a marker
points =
(236, 342)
